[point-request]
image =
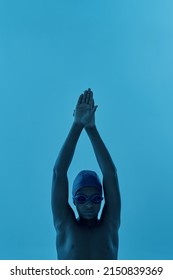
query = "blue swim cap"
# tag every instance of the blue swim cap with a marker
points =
(86, 178)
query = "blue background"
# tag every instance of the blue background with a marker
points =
(50, 51)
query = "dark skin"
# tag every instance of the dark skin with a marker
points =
(88, 211)
(86, 238)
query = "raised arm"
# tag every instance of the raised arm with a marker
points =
(112, 206)
(59, 199)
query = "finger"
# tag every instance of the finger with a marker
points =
(90, 99)
(84, 96)
(90, 92)
(80, 99)
(92, 103)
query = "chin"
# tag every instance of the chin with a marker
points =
(89, 217)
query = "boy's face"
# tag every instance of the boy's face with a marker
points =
(89, 209)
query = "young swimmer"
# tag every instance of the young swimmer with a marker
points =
(87, 237)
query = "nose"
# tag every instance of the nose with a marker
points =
(89, 205)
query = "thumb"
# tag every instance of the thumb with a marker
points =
(95, 108)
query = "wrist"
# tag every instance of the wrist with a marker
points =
(78, 124)
(90, 127)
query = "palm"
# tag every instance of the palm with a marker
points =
(91, 122)
(85, 109)
(84, 113)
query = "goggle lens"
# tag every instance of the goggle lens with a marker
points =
(81, 198)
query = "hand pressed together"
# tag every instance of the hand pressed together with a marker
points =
(84, 112)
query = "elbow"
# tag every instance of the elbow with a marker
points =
(55, 170)
(59, 171)
(114, 169)
(110, 170)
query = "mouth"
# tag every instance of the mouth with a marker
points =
(89, 212)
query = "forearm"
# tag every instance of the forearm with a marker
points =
(67, 151)
(102, 155)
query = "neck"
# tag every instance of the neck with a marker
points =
(89, 223)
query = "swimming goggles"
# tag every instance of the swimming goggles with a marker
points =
(82, 198)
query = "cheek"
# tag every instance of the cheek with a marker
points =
(79, 207)
(98, 207)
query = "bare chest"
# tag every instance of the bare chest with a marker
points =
(80, 243)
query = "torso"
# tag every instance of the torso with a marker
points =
(79, 242)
